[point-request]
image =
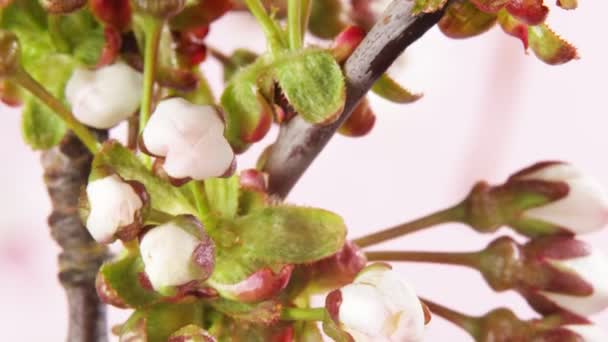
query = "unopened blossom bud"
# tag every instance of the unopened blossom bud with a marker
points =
(360, 122)
(10, 54)
(104, 97)
(339, 269)
(115, 209)
(262, 285)
(190, 138)
(346, 42)
(378, 306)
(160, 8)
(177, 253)
(553, 273)
(62, 6)
(255, 180)
(546, 198)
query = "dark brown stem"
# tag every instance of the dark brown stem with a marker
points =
(66, 169)
(299, 142)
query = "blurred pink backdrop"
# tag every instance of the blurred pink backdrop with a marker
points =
(488, 110)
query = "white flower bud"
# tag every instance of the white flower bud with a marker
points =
(592, 270)
(104, 97)
(379, 306)
(167, 253)
(190, 137)
(587, 332)
(113, 205)
(584, 209)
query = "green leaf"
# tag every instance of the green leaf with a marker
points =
(41, 127)
(549, 47)
(223, 195)
(313, 84)
(275, 236)
(163, 196)
(390, 90)
(28, 21)
(121, 277)
(158, 322)
(326, 18)
(427, 6)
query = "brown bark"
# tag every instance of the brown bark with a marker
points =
(66, 168)
(299, 142)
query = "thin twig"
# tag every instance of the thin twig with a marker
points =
(299, 142)
(66, 169)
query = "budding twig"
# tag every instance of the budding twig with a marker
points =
(299, 142)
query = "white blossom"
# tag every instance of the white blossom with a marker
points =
(191, 139)
(113, 204)
(104, 97)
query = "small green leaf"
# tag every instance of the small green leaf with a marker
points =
(240, 58)
(121, 277)
(263, 313)
(41, 127)
(223, 195)
(390, 90)
(326, 18)
(464, 20)
(313, 84)
(158, 322)
(427, 6)
(275, 236)
(83, 35)
(163, 196)
(549, 47)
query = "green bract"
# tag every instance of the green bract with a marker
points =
(275, 236)
(158, 322)
(223, 196)
(389, 89)
(163, 196)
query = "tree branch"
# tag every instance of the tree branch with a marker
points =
(66, 169)
(299, 142)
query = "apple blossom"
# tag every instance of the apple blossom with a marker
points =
(115, 208)
(190, 138)
(177, 253)
(378, 306)
(104, 97)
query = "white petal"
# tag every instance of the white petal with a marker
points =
(104, 97)
(191, 139)
(167, 255)
(362, 310)
(592, 268)
(113, 205)
(588, 332)
(583, 210)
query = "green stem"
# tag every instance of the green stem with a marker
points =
(469, 259)
(294, 24)
(453, 214)
(271, 30)
(25, 80)
(305, 15)
(202, 203)
(467, 323)
(303, 314)
(152, 29)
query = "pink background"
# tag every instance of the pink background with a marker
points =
(488, 110)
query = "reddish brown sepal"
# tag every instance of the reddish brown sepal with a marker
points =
(286, 334)
(339, 269)
(332, 305)
(360, 122)
(202, 13)
(514, 27)
(111, 47)
(62, 6)
(464, 20)
(159, 171)
(204, 256)
(144, 281)
(531, 12)
(346, 42)
(252, 179)
(113, 13)
(9, 93)
(262, 285)
(191, 46)
(179, 79)
(490, 6)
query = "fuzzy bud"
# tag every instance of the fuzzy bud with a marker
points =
(346, 42)
(104, 97)
(378, 306)
(190, 138)
(262, 285)
(360, 122)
